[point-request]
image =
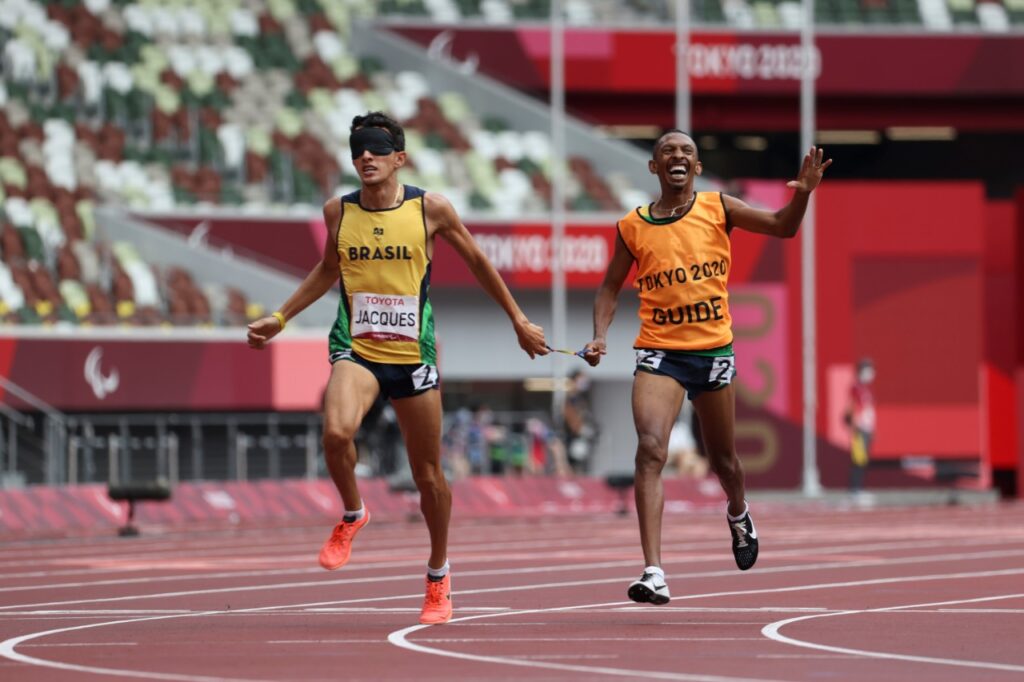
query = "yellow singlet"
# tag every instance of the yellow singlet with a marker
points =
(384, 314)
(683, 267)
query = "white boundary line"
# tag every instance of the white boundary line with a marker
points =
(8, 647)
(400, 637)
(772, 631)
(826, 565)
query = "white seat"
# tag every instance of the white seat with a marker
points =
(244, 23)
(328, 46)
(183, 59)
(510, 145)
(496, 11)
(55, 36)
(536, 146)
(430, 162)
(401, 105)
(232, 140)
(97, 7)
(791, 14)
(91, 78)
(118, 77)
(238, 63)
(935, 14)
(10, 293)
(139, 20)
(191, 23)
(579, 12)
(88, 261)
(210, 60)
(20, 60)
(18, 212)
(485, 143)
(992, 17)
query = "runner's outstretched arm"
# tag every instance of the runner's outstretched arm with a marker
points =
(786, 221)
(607, 299)
(320, 279)
(442, 215)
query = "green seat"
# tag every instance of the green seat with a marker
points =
(32, 243)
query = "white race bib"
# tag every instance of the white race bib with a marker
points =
(385, 317)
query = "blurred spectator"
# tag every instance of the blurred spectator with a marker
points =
(483, 448)
(517, 450)
(580, 426)
(683, 454)
(547, 453)
(860, 418)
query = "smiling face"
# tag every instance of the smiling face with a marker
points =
(675, 161)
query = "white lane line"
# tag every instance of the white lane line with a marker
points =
(690, 549)
(989, 611)
(285, 552)
(726, 609)
(97, 612)
(136, 563)
(325, 583)
(570, 657)
(7, 650)
(8, 647)
(492, 640)
(798, 656)
(87, 644)
(326, 641)
(772, 631)
(827, 565)
(354, 609)
(400, 637)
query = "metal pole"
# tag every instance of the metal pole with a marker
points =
(162, 449)
(125, 465)
(196, 440)
(558, 169)
(113, 459)
(73, 460)
(173, 461)
(682, 68)
(312, 449)
(274, 436)
(811, 478)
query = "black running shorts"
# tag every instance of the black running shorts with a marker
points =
(395, 381)
(697, 373)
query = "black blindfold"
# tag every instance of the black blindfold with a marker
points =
(377, 141)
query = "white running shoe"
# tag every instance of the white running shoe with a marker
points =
(649, 589)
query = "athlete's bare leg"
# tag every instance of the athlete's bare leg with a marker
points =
(350, 393)
(656, 403)
(420, 419)
(717, 413)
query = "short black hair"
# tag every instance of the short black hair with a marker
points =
(654, 149)
(378, 119)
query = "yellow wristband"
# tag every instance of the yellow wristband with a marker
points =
(279, 316)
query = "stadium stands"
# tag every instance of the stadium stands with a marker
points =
(247, 103)
(938, 15)
(156, 105)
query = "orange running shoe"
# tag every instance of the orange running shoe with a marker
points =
(437, 605)
(336, 550)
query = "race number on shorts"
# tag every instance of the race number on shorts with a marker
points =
(651, 359)
(385, 317)
(723, 369)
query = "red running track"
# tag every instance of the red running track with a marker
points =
(895, 594)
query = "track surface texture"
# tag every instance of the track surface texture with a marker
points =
(886, 594)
